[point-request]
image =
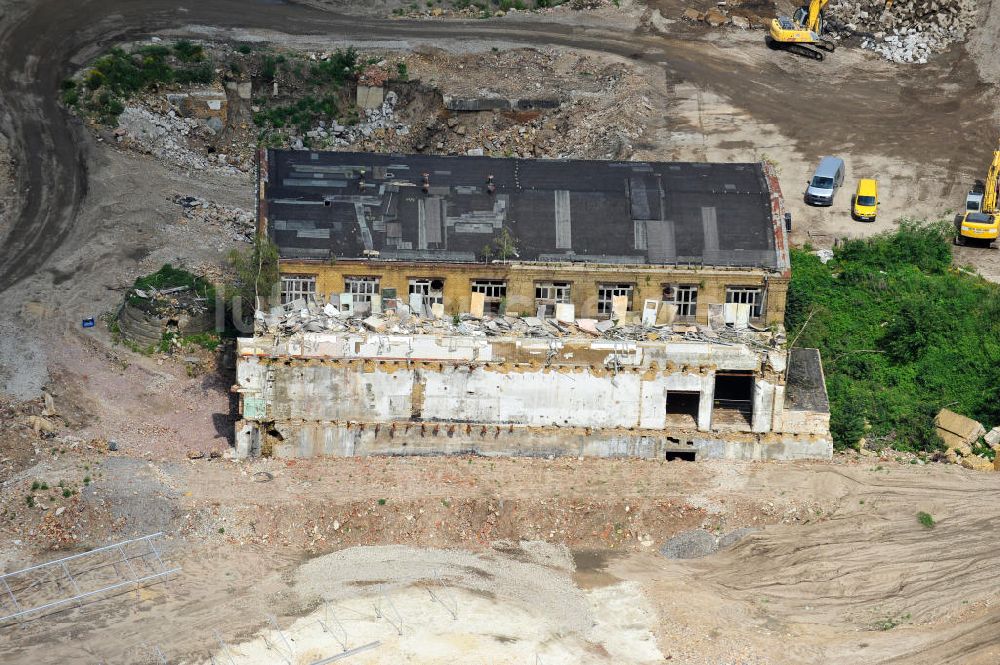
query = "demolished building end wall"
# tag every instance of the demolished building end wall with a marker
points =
(359, 394)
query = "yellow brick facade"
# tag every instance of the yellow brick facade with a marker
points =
(521, 279)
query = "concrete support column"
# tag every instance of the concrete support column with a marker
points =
(705, 403)
(247, 439)
(777, 420)
(763, 406)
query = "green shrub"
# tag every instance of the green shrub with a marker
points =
(925, 520)
(203, 73)
(902, 335)
(94, 80)
(119, 75)
(206, 340)
(268, 68)
(337, 68)
(70, 97)
(187, 51)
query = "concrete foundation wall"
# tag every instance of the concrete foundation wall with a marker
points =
(303, 440)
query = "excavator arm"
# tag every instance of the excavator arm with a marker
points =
(991, 184)
(815, 8)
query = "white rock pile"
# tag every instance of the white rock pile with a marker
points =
(165, 136)
(911, 30)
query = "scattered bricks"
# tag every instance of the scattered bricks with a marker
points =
(741, 22)
(715, 18)
(977, 463)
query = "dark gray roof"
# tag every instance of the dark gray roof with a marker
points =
(805, 388)
(556, 210)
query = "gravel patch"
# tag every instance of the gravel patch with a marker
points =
(690, 545)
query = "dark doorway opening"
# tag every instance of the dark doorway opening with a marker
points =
(683, 455)
(733, 403)
(682, 408)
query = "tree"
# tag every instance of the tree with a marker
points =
(257, 273)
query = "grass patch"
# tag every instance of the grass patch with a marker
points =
(303, 113)
(168, 277)
(925, 520)
(902, 334)
(890, 622)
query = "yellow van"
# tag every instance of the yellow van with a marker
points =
(865, 201)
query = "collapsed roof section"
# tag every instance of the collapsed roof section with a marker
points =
(336, 205)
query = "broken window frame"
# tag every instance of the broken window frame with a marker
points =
(684, 297)
(297, 286)
(548, 294)
(494, 293)
(362, 288)
(606, 293)
(747, 295)
(422, 286)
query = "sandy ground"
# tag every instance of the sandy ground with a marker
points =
(841, 572)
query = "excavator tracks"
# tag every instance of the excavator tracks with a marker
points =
(800, 49)
(812, 50)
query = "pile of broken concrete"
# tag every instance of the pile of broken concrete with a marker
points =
(905, 31)
(340, 315)
(960, 434)
(167, 136)
(238, 223)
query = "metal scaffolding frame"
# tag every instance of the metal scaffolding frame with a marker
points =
(71, 580)
(443, 595)
(330, 621)
(223, 651)
(382, 603)
(287, 654)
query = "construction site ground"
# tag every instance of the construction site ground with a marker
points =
(554, 559)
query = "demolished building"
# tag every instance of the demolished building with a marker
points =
(501, 306)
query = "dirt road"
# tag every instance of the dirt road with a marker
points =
(933, 114)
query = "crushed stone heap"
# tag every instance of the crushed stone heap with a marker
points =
(909, 31)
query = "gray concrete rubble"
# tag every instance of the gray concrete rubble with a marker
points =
(907, 31)
(317, 381)
(309, 316)
(239, 224)
(166, 137)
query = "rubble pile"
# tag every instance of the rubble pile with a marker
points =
(378, 123)
(561, 105)
(239, 224)
(909, 31)
(302, 315)
(168, 137)
(967, 442)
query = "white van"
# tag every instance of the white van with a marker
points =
(827, 179)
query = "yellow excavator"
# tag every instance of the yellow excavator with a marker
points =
(801, 33)
(979, 221)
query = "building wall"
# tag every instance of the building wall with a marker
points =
(305, 395)
(648, 283)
